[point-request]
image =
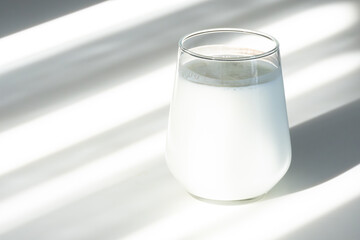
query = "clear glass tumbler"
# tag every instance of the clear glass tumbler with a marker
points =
(228, 133)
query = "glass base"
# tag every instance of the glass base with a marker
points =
(229, 202)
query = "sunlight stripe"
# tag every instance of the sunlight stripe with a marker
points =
(104, 172)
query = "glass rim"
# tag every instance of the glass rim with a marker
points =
(234, 30)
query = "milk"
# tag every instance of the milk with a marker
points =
(228, 134)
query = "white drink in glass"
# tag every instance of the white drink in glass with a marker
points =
(228, 135)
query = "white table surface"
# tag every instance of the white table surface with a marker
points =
(83, 112)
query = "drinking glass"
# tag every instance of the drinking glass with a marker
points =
(228, 133)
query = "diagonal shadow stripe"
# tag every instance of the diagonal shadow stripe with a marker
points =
(36, 89)
(16, 15)
(316, 155)
(82, 153)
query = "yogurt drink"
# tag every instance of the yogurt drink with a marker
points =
(228, 135)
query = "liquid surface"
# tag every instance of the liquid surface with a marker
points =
(229, 73)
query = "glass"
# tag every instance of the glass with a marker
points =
(228, 133)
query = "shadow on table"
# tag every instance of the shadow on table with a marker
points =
(82, 153)
(112, 212)
(17, 15)
(333, 226)
(322, 149)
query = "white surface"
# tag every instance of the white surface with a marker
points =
(103, 176)
(228, 142)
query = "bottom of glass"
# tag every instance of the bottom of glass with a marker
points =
(229, 202)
